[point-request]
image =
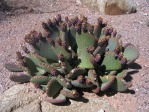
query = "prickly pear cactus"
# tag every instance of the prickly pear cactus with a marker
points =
(72, 53)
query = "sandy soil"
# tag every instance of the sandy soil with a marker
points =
(132, 27)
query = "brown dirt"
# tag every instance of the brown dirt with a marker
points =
(132, 27)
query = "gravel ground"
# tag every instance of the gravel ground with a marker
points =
(132, 27)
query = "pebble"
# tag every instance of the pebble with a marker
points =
(141, 22)
(101, 110)
(1, 88)
(145, 65)
(145, 14)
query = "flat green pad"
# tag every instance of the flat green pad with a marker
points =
(31, 67)
(112, 43)
(37, 61)
(120, 85)
(53, 87)
(41, 80)
(85, 59)
(54, 32)
(131, 53)
(75, 73)
(64, 82)
(122, 74)
(69, 68)
(69, 93)
(33, 56)
(13, 67)
(21, 78)
(59, 99)
(107, 81)
(40, 71)
(84, 41)
(60, 50)
(77, 84)
(45, 50)
(110, 62)
(72, 37)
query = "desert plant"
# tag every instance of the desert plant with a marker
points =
(71, 54)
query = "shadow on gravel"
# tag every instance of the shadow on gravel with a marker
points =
(80, 99)
(130, 91)
(135, 66)
(67, 103)
(4, 10)
(4, 7)
(110, 92)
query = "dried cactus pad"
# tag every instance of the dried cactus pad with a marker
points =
(20, 78)
(13, 67)
(71, 55)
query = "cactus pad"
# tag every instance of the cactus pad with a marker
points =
(59, 49)
(41, 80)
(13, 67)
(112, 44)
(76, 72)
(64, 82)
(131, 53)
(106, 82)
(59, 99)
(21, 78)
(111, 62)
(69, 93)
(78, 84)
(53, 87)
(120, 85)
(84, 41)
(85, 59)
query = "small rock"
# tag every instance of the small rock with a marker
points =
(141, 22)
(19, 99)
(145, 14)
(110, 7)
(101, 110)
(78, 2)
(1, 88)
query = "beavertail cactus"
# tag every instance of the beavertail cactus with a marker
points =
(72, 53)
